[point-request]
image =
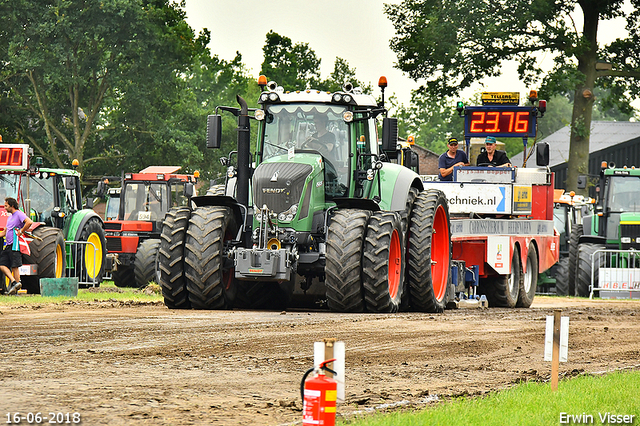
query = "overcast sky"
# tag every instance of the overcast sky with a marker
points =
(355, 30)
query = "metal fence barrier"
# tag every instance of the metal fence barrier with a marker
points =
(76, 250)
(618, 272)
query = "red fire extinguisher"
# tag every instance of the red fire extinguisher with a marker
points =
(319, 396)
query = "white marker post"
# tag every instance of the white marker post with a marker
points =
(329, 349)
(556, 344)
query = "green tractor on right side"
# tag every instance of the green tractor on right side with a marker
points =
(607, 261)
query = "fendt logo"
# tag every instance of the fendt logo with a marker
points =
(273, 190)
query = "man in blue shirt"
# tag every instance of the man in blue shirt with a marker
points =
(451, 159)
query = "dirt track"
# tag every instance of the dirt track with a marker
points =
(122, 364)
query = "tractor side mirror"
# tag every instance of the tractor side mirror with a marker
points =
(413, 159)
(389, 134)
(214, 131)
(188, 189)
(542, 154)
(582, 182)
(89, 203)
(100, 190)
(69, 183)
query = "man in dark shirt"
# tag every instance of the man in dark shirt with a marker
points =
(451, 159)
(491, 157)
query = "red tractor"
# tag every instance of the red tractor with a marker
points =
(133, 239)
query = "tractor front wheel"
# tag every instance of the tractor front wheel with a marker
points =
(345, 239)
(586, 263)
(144, 265)
(210, 280)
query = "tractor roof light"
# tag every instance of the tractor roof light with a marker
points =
(411, 140)
(196, 174)
(262, 82)
(603, 165)
(542, 106)
(75, 163)
(382, 81)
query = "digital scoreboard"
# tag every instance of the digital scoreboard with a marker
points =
(14, 157)
(508, 121)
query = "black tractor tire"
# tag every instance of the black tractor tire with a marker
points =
(502, 290)
(144, 265)
(48, 253)
(576, 232)
(90, 272)
(583, 272)
(210, 280)
(123, 276)
(560, 271)
(383, 263)
(171, 258)
(429, 252)
(343, 271)
(218, 189)
(529, 279)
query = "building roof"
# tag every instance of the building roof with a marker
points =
(604, 134)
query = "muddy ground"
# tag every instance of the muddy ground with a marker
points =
(120, 363)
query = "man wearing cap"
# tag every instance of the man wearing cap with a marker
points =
(451, 159)
(491, 157)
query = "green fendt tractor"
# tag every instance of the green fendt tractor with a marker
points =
(68, 239)
(319, 213)
(611, 237)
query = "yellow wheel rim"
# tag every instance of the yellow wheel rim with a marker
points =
(93, 256)
(59, 261)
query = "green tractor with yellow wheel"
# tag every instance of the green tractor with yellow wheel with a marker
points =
(320, 215)
(66, 239)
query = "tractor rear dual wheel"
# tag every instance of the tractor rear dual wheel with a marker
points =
(560, 271)
(171, 258)
(145, 265)
(429, 252)
(383, 263)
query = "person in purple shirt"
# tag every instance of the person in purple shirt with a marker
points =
(451, 159)
(10, 258)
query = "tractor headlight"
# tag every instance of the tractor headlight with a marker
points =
(259, 114)
(258, 217)
(625, 240)
(289, 214)
(347, 116)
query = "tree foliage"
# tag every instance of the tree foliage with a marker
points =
(117, 84)
(449, 45)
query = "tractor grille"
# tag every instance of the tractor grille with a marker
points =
(113, 226)
(633, 232)
(114, 244)
(287, 188)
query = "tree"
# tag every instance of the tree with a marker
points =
(452, 44)
(75, 72)
(291, 66)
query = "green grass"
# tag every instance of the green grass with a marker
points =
(106, 291)
(528, 404)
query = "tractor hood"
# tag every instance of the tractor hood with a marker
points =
(279, 182)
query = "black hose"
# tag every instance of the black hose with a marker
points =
(304, 379)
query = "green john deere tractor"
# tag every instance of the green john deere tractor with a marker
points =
(611, 233)
(68, 240)
(319, 215)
